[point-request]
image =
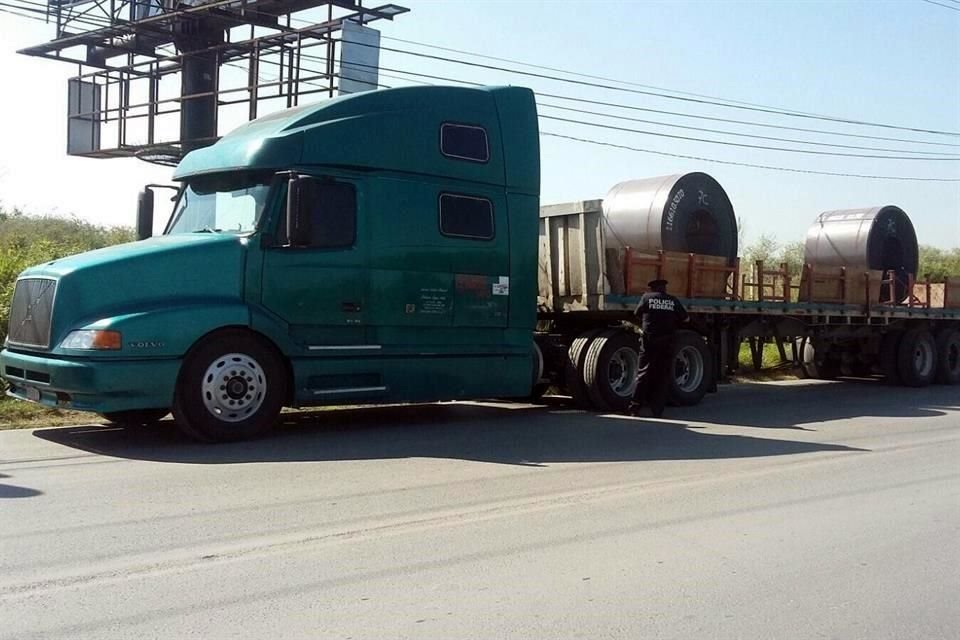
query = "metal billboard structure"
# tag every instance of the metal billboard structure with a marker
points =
(158, 78)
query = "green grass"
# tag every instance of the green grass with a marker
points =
(18, 414)
(772, 367)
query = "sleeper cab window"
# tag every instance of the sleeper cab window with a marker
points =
(464, 142)
(333, 214)
(466, 217)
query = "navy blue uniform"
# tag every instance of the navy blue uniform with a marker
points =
(660, 315)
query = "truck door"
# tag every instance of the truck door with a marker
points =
(321, 289)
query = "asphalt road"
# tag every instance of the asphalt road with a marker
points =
(791, 510)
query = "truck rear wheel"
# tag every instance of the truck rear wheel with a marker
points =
(231, 387)
(948, 356)
(917, 358)
(610, 369)
(692, 369)
(573, 370)
(135, 417)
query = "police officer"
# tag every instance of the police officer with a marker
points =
(660, 314)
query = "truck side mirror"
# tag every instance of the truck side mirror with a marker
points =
(145, 214)
(301, 199)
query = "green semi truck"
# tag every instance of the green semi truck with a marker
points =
(383, 247)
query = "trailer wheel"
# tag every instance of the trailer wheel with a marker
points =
(573, 369)
(888, 359)
(135, 417)
(812, 365)
(948, 356)
(610, 369)
(917, 358)
(231, 387)
(692, 369)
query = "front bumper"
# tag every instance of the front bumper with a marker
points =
(90, 385)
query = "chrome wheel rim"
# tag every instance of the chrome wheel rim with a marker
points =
(622, 371)
(688, 369)
(234, 387)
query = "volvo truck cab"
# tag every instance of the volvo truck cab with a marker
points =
(379, 247)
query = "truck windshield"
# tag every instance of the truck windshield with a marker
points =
(226, 202)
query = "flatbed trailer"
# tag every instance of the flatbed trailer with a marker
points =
(583, 301)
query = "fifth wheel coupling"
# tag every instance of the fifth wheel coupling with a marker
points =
(687, 213)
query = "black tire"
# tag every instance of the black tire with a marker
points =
(917, 358)
(573, 369)
(610, 369)
(948, 356)
(687, 385)
(888, 359)
(254, 378)
(814, 365)
(135, 417)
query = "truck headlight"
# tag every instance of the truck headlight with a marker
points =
(92, 340)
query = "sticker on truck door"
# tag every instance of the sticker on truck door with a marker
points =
(502, 286)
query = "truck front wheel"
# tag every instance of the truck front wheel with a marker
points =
(231, 387)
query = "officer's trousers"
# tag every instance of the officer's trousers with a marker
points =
(653, 376)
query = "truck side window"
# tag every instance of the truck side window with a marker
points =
(465, 142)
(466, 217)
(333, 220)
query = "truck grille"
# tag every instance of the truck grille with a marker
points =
(31, 312)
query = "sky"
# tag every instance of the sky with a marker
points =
(885, 62)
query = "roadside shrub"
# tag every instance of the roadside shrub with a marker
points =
(27, 240)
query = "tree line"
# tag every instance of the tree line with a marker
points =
(935, 263)
(27, 240)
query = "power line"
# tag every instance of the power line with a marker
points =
(945, 6)
(741, 144)
(743, 122)
(580, 74)
(741, 164)
(645, 109)
(434, 77)
(597, 85)
(698, 158)
(646, 86)
(653, 133)
(752, 106)
(20, 15)
(735, 133)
